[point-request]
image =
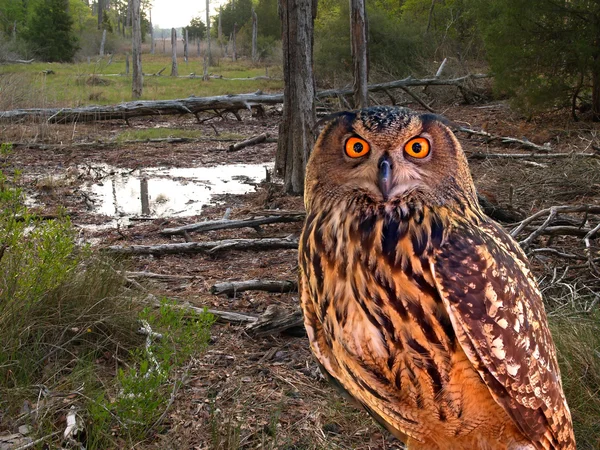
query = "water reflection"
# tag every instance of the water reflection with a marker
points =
(174, 192)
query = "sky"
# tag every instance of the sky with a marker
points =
(178, 13)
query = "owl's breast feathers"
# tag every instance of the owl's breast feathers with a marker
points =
(433, 321)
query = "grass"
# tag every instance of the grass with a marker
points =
(69, 336)
(82, 84)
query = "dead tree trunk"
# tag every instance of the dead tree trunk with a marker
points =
(296, 136)
(358, 32)
(102, 42)
(254, 36)
(185, 45)
(136, 51)
(208, 35)
(234, 51)
(14, 31)
(151, 35)
(174, 72)
(220, 27)
(126, 63)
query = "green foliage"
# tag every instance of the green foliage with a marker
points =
(196, 29)
(269, 24)
(50, 31)
(234, 12)
(65, 310)
(578, 343)
(542, 52)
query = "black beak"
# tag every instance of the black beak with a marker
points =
(385, 176)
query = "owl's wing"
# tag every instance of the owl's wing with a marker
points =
(496, 310)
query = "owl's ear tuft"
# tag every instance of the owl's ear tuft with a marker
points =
(347, 116)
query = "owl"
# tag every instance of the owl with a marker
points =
(417, 306)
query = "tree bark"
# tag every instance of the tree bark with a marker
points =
(136, 51)
(234, 51)
(102, 42)
(209, 62)
(254, 36)
(174, 52)
(296, 135)
(151, 35)
(358, 32)
(220, 27)
(185, 45)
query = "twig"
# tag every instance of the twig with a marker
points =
(526, 242)
(505, 139)
(38, 441)
(590, 209)
(416, 98)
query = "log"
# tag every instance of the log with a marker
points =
(17, 61)
(223, 224)
(248, 142)
(194, 105)
(232, 287)
(276, 320)
(199, 247)
(505, 139)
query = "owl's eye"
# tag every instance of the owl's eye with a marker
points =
(357, 147)
(417, 148)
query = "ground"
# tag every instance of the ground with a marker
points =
(248, 392)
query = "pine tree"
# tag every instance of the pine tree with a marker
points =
(50, 31)
(544, 53)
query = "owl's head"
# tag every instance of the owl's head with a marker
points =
(386, 154)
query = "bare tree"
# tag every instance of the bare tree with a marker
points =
(136, 50)
(208, 32)
(254, 36)
(234, 51)
(100, 14)
(185, 45)
(296, 131)
(174, 52)
(102, 42)
(358, 32)
(151, 35)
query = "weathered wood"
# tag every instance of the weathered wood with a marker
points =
(505, 139)
(223, 224)
(102, 42)
(248, 142)
(233, 287)
(185, 45)
(276, 320)
(159, 276)
(254, 36)
(193, 105)
(17, 61)
(358, 45)
(199, 247)
(174, 72)
(136, 51)
(297, 128)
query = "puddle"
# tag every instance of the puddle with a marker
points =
(169, 192)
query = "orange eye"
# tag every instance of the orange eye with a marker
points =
(357, 147)
(417, 148)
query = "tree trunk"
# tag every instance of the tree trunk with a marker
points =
(14, 31)
(220, 28)
(208, 32)
(102, 42)
(198, 47)
(136, 51)
(254, 36)
(126, 63)
(296, 135)
(185, 45)
(234, 49)
(151, 35)
(358, 32)
(174, 52)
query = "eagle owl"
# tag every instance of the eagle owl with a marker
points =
(416, 304)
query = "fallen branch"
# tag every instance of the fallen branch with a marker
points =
(505, 139)
(223, 224)
(194, 105)
(248, 142)
(199, 247)
(17, 61)
(589, 209)
(233, 287)
(481, 155)
(276, 320)
(158, 276)
(108, 144)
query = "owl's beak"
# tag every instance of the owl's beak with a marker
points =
(385, 177)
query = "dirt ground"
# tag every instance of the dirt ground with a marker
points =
(247, 392)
